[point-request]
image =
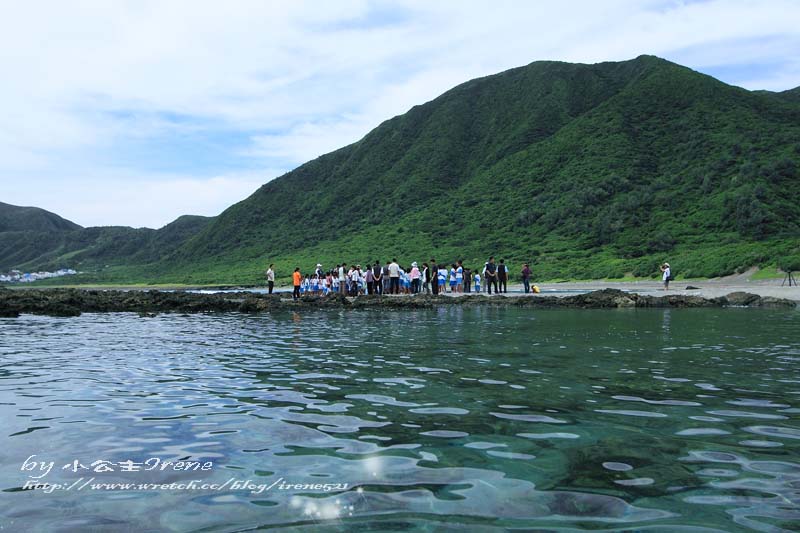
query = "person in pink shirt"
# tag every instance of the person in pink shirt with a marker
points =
(415, 278)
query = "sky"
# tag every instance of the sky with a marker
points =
(134, 113)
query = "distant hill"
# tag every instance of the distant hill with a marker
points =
(587, 171)
(15, 218)
(792, 95)
(95, 247)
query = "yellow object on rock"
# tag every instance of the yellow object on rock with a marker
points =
(536, 289)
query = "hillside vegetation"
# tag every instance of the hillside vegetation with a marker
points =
(587, 171)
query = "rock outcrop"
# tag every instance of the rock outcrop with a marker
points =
(73, 302)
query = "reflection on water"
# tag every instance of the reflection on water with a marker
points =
(435, 420)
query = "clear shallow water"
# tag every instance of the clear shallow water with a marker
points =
(451, 419)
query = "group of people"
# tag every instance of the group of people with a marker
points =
(391, 278)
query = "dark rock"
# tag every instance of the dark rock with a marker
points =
(692, 288)
(62, 309)
(71, 302)
(742, 299)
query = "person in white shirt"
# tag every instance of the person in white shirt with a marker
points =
(394, 277)
(270, 278)
(666, 275)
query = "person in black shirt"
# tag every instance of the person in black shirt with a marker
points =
(491, 276)
(434, 275)
(502, 275)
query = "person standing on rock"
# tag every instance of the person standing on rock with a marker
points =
(502, 275)
(343, 279)
(270, 278)
(377, 275)
(394, 277)
(297, 280)
(459, 276)
(415, 278)
(425, 275)
(433, 276)
(666, 275)
(369, 277)
(491, 276)
(387, 287)
(526, 277)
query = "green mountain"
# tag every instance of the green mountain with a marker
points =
(15, 218)
(31, 248)
(587, 171)
(792, 95)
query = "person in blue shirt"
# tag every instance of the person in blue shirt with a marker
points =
(459, 277)
(477, 283)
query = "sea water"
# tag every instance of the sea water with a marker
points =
(434, 420)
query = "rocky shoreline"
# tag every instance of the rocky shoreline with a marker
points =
(73, 302)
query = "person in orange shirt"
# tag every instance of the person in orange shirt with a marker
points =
(297, 278)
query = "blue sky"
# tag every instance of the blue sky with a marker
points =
(133, 113)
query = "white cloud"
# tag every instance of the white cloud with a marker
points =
(284, 82)
(128, 201)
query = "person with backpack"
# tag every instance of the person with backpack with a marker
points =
(502, 275)
(666, 275)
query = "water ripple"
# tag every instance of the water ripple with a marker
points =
(434, 419)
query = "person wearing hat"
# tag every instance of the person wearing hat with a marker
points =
(415, 281)
(526, 277)
(666, 275)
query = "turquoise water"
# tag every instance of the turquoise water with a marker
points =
(437, 420)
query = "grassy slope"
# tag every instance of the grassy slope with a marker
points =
(16, 218)
(589, 171)
(94, 248)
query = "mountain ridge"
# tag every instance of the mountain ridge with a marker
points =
(25, 218)
(590, 170)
